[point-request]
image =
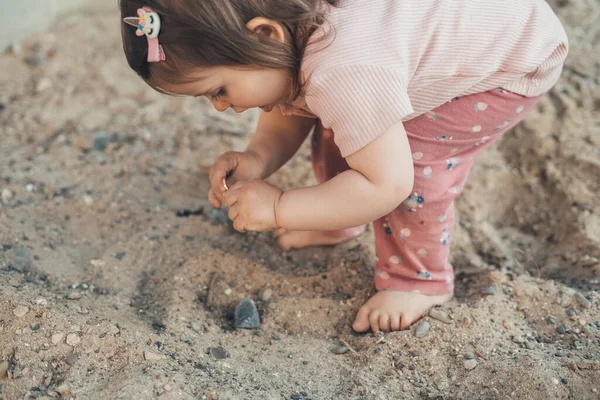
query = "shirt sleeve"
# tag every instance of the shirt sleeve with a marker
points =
(358, 102)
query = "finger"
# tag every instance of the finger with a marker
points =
(239, 225)
(279, 232)
(231, 197)
(213, 199)
(395, 322)
(223, 166)
(233, 213)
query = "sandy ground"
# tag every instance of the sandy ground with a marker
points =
(117, 278)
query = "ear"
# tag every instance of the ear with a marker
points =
(267, 27)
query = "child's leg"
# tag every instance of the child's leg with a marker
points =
(413, 242)
(327, 163)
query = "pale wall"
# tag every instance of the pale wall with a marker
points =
(21, 18)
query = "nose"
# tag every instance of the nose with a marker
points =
(220, 106)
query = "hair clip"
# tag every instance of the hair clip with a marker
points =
(148, 23)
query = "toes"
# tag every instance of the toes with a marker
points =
(284, 243)
(374, 321)
(384, 322)
(395, 322)
(407, 319)
(361, 322)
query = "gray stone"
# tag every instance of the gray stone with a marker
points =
(57, 338)
(219, 353)
(339, 349)
(470, 364)
(73, 339)
(196, 326)
(440, 316)
(72, 359)
(4, 369)
(21, 258)
(530, 345)
(266, 294)
(469, 355)
(100, 141)
(422, 329)
(150, 356)
(582, 300)
(246, 315)
(74, 296)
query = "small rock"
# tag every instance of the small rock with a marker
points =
(37, 56)
(72, 358)
(57, 338)
(582, 300)
(469, 356)
(440, 316)
(113, 330)
(120, 255)
(196, 326)
(558, 354)
(469, 364)
(219, 353)
(73, 339)
(561, 329)
(100, 141)
(64, 390)
(488, 291)
(518, 339)
(20, 311)
(564, 381)
(74, 296)
(3, 369)
(246, 315)
(167, 387)
(150, 356)
(43, 85)
(414, 353)
(82, 143)
(6, 195)
(266, 294)
(422, 329)
(552, 320)
(530, 345)
(339, 349)
(21, 258)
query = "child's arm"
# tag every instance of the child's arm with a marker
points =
(381, 178)
(278, 137)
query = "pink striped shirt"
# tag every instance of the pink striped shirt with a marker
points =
(392, 60)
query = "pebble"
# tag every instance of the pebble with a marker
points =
(266, 294)
(518, 339)
(219, 353)
(150, 356)
(74, 296)
(488, 291)
(100, 141)
(469, 356)
(414, 353)
(72, 358)
(20, 311)
(64, 391)
(6, 195)
(582, 300)
(561, 329)
(57, 338)
(339, 349)
(196, 326)
(422, 329)
(21, 258)
(469, 364)
(530, 345)
(73, 339)
(246, 315)
(37, 57)
(440, 316)
(167, 387)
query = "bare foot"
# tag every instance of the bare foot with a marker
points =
(298, 239)
(393, 310)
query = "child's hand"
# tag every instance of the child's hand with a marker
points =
(234, 167)
(252, 205)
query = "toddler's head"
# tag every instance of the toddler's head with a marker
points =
(239, 53)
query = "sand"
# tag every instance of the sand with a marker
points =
(118, 280)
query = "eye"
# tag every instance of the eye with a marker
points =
(152, 19)
(218, 95)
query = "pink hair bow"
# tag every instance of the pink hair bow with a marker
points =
(148, 23)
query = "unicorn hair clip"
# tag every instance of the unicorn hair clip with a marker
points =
(148, 23)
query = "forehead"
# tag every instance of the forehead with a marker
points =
(195, 82)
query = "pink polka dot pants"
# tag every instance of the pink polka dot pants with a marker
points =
(413, 241)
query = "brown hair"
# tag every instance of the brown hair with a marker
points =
(211, 33)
